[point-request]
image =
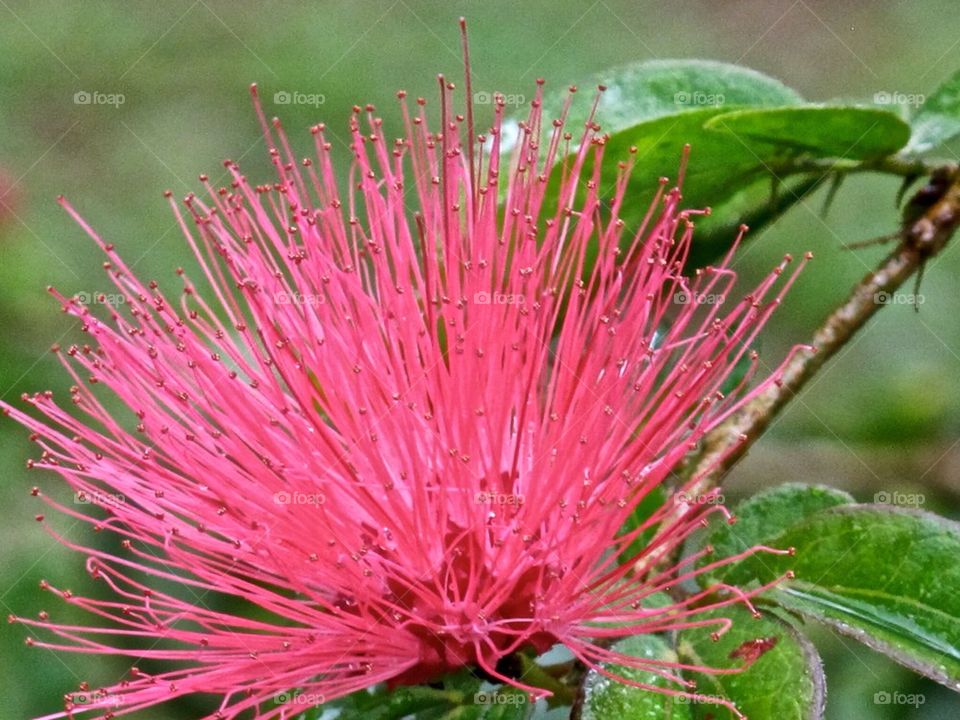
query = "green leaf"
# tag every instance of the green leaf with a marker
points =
(732, 151)
(886, 576)
(659, 146)
(938, 119)
(463, 697)
(311, 714)
(820, 131)
(753, 205)
(784, 682)
(482, 702)
(607, 699)
(648, 90)
(745, 130)
(399, 703)
(761, 518)
(647, 105)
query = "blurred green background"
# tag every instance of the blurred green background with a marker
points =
(885, 416)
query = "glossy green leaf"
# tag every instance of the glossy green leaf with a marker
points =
(746, 131)
(719, 165)
(754, 205)
(761, 518)
(736, 155)
(886, 576)
(783, 679)
(607, 699)
(659, 107)
(648, 90)
(818, 131)
(938, 119)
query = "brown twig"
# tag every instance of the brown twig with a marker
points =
(930, 219)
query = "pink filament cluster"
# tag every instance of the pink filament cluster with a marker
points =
(402, 425)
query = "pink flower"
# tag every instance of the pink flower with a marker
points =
(400, 428)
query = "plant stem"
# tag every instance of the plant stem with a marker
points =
(922, 239)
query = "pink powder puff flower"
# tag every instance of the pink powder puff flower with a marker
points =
(402, 426)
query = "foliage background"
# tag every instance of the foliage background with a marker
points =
(884, 417)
